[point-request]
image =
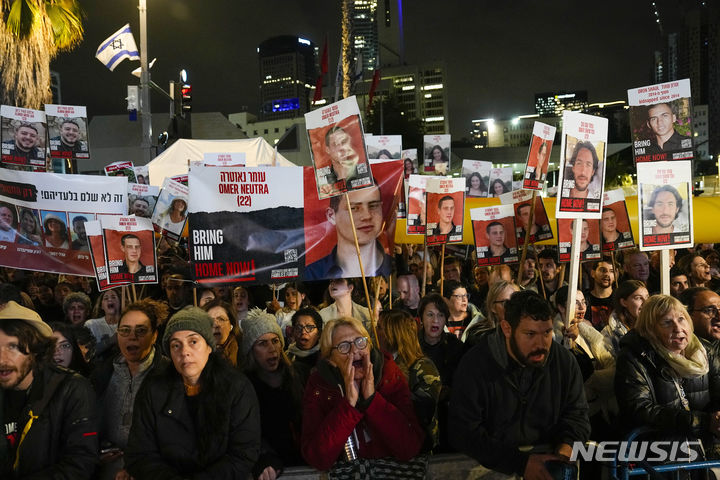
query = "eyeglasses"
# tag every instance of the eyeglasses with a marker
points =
(140, 331)
(709, 311)
(308, 328)
(461, 297)
(345, 347)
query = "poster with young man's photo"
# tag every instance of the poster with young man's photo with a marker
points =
(589, 239)
(337, 148)
(329, 240)
(521, 200)
(142, 199)
(130, 248)
(661, 122)
(582, 166)
(22, 133)
(538, 156)
(96, 241)
(68, 131)
(384, 147)
(665, 204)
(493, 229)
(615, 230)
(436, 149)
(477, 177)
(416, 204)
(142, 175)
(445, 199)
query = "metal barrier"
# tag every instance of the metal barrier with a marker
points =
(623, 470)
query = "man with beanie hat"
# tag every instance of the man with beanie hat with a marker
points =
(48, 413)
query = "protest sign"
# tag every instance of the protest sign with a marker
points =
(142, 175)
(582, 166)
(22, 132)
(445, 198)
(665, 204)
(477, 177)
(96, 241)
(538, 156)
(121, 169)
(383, 147)
(500, 181)
(130, 249)
(521, 200)
(337, 146)
(68, 131)
(589, 239)
(171, 209)
(493, 229)
(410, 162)
(44, 216)
(416, 204)
(436, 156)
(615, 222)
(142, 199)
(661, 122)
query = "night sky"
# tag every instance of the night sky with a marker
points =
(498, 54)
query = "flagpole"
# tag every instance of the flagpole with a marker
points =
(146, 116)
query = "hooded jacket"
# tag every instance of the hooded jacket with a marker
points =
(386, 426)
(497, 405)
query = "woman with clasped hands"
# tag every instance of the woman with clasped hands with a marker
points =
(356, 391)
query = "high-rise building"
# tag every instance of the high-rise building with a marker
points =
(364, 31)
(287, 76)
(693, 52)
(552, 104)
(421, 91)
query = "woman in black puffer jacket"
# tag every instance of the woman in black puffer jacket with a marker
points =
(667, 378)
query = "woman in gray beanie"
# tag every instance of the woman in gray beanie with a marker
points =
(279, 389)
(199, 415)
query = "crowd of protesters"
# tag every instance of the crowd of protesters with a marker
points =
(173, 381)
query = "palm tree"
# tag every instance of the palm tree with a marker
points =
(32, 32)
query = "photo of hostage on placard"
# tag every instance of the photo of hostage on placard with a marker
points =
(28, 229)
(416, 212)
(436, 150)
(446, 201)
(540, 229)
(493, 229)
(410, 162)
(339, 155)
(68, 137)
(661, 121)
(500, 181)
(130, 254)
(615, 223)
(23, 134)
(538, 156)
(55, 229)
(589, 239)
(477, 177)
(665, 217)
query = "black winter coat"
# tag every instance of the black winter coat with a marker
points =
(647, 395)
(62, 441)
(164, 437)
(498, 406)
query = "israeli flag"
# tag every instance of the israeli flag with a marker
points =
(117, 47)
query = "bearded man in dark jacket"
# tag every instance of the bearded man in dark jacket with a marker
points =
(48, 413)
(518, 388)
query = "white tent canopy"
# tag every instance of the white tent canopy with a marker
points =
(175, 160)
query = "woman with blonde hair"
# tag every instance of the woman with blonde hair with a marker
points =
(357, 403)
(397, 332)
(666, 377)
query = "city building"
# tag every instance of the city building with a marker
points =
(552, 104)
(287, 76)
(421, 91)
(693, 51)
(364, 31)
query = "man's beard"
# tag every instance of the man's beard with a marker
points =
(524, 359)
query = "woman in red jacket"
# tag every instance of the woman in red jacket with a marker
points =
(356, 393)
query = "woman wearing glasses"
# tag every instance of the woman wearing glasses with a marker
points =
(307, 326)
(358, 396)
(225, 330)
(118, 379)
(197, 418)
(462, 312)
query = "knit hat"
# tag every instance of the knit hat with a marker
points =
(189, 318)
(256, 324)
